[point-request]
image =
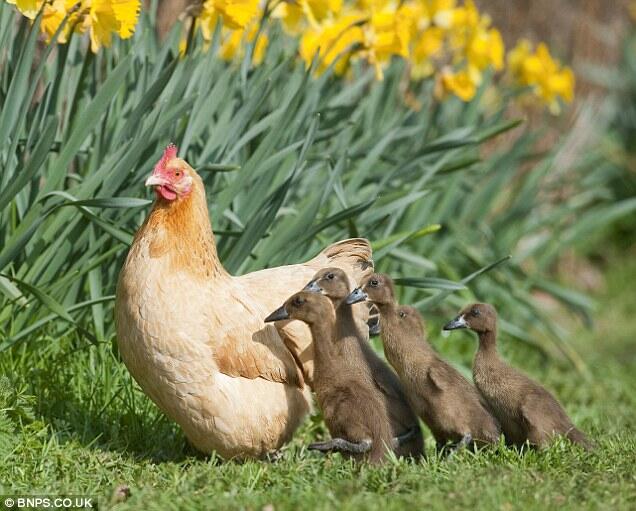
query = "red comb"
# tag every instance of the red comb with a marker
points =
(169, 153)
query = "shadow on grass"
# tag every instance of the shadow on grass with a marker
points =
(86, 395)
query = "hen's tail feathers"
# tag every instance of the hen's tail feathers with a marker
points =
(353, 255)
(578, 437)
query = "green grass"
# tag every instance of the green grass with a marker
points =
(75, 423)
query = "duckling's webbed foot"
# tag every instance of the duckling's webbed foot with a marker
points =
(341, 445)
(466, 441)
(442, 448)
(405, 438)
(374, 321)
(345, 446)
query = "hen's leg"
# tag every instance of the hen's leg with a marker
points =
(274, 456)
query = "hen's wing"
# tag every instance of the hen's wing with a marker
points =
(249, 347)
(265, 356)
(354, 256)
(270, 288)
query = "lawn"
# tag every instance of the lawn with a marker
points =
(77, 424)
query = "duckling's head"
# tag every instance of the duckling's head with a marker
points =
(331, 282)
(378, 289)
(478, 317)
(410, 320)
(305, 306)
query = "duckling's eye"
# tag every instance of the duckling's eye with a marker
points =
(402, 314)
(374, 283)
(298, 301)
(474, 313)
(330, 276)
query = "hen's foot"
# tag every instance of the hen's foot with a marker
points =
(274, 456)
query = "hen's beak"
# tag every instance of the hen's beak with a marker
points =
(458, 322)
(155, 181)
(357, 295)
(278, 315)
(313, 287)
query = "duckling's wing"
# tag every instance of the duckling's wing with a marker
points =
(438, 378)
(543, 414)
(388, 385)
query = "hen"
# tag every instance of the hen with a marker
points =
(193, 335)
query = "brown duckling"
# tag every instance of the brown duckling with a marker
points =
(448, 403)
(526, 411)
(352, 341)
(353, 409)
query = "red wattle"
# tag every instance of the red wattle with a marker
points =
(166, 193)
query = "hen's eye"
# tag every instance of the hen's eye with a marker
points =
(177, 173)
(330, 276)
(374, 283)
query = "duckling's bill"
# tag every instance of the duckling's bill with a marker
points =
(357, 295)
(278, 315)
(313, 287)
(455, 324)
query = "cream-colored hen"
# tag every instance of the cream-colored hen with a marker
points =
(193, 336)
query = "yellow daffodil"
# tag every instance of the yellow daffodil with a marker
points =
(440, 13)
(28, 8)
(319, 10)
(426, 47)
(233, 43)
(297, 14)
(207, 20)
(468, 15)
(333, 40)
(465, 21)
(485, 48)
(292, 16)
(518, 55)
(427, 33)
(103, 18)
(53, 15)
(462, 84)
(371, 5)
(237, 13)
(549, 80)
(387, 34)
